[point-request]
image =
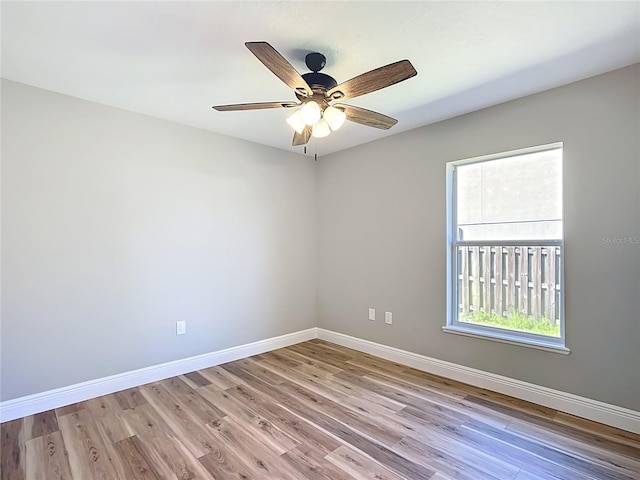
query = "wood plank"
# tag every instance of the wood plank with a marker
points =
(290, 424)
(377, 364)
(511, 280)
(199, 406)
(508, 405)
(130, 398)
(417, 378)
(550, 310)
(223, 464)
(413, 380)
(262, 461)
(285, 354)
(550, 454)
(439, 460)
(170, 457)
(517, 457)
(454, 405)
(259, 371)
(312, 382)
(356, 421)
(608, 438)
(524, 475)
(68, 409)
(107, 415)
(523, 297)
(187, 426)
(486, 279)
(464, 280)
(260, 427)
(370, 383)
(46, 458)
(360, 466)
(488, 463)
(312, 465)
(474, 278)
(138, 462)
(320, 354)
(614, 434)
(381, 454)
(536, 280)
(13, 450)
(219, 377)
(88, 455)
(196, 379)
(498, 282)
(580, 446)
(44, 423)
(323, 350)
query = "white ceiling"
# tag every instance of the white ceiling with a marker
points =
(174, 60)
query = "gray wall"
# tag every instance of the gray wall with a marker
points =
(116, 225)
(381, 243)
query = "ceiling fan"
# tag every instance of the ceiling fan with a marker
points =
(315, 92)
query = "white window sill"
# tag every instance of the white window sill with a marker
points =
(506, 338)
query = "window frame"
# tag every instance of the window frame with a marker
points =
(453, 325)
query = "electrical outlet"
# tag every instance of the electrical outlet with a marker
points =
(388, 318)
(372, 314)
(181, 327)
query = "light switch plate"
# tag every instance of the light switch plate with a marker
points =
(388, 318)
(372, 314)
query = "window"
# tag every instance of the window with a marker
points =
(505, 247)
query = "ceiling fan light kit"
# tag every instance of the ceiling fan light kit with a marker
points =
(320, 129)
(323, 122)
(310, 112)
(335, 117)
(316, 90)
(296, 121)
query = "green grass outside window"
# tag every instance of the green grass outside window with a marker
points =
(515, 321)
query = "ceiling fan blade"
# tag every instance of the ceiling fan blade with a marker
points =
(374, 80)
(275, 62)
(367, 117)
(254, 106)
(301, 138)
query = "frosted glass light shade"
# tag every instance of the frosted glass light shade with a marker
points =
(334, 117)
(296, 122)
(310, 112)
(321, 129)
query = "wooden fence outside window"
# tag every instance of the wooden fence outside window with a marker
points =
(505, 279)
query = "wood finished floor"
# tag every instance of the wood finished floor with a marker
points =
(313, 411)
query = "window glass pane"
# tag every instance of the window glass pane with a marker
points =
(510, 287)
(513, 198)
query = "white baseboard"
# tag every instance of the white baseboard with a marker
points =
(612, 415)
(41, 402)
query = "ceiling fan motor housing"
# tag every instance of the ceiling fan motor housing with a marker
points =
(319, 82)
